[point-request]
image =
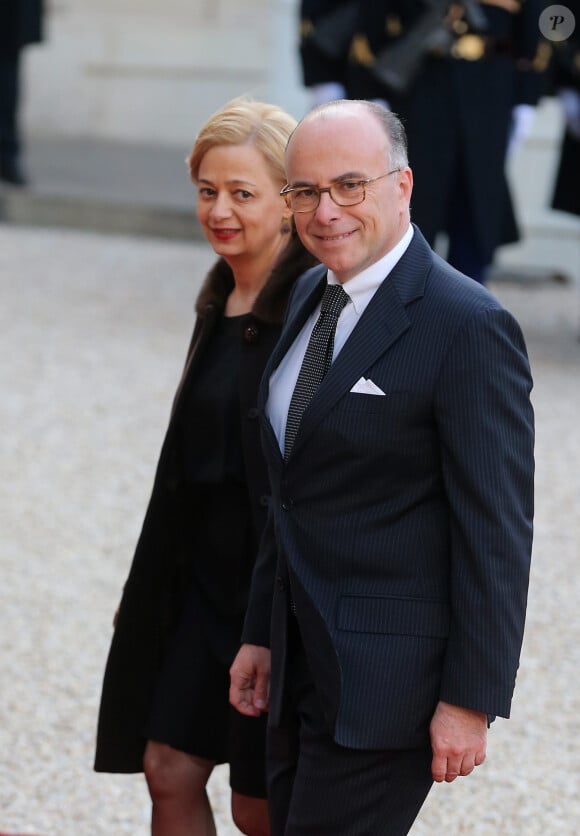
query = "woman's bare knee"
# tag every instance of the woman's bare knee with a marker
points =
(250, 814)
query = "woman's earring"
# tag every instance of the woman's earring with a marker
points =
(286, 226)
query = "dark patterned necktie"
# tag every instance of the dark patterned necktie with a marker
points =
(317, 360)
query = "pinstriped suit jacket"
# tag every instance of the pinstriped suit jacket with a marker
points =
(402, 525)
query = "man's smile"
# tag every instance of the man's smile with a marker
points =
(341, 237)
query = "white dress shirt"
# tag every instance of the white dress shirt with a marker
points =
(361, 289)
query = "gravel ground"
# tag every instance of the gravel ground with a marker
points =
(93, 331)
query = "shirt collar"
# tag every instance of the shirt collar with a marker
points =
(363, 285)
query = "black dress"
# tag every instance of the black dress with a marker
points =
(190, 709)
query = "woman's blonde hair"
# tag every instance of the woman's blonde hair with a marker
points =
(242, 121)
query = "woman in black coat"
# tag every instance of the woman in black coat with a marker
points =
(164, 706)
(20, 25)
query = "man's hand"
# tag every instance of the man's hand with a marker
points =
(250, 680)
(458, 740)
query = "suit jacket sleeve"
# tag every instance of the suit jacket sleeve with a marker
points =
(486, 430)
(257, 621)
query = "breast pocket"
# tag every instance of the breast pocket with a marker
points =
(393, 403)
(381, 428)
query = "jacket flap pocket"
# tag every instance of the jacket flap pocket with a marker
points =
(394, 615)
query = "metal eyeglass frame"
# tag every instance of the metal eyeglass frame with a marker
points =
(286, 192)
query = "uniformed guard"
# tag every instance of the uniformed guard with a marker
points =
(464, 77)
(566, 84)
(20, 25)
(326, 29)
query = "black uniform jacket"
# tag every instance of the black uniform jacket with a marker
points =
(326, 28)
(151, 595)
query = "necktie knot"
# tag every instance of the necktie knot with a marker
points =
(334, 299)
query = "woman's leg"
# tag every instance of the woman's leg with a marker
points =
(177, 785)
(250, 814)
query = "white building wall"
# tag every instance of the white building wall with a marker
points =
(152, 71)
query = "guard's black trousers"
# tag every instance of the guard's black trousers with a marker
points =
(9, 78)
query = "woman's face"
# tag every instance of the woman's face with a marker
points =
(239, 204)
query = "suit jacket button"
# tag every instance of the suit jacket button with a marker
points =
(281, 583)
(287, 505)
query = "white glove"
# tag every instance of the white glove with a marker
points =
(327, 92)
(570, 101)
(522, 119)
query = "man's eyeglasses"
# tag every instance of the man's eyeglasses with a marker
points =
(343, 193)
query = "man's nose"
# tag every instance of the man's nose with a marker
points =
(327, 209)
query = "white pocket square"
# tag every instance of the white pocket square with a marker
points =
(366, 387)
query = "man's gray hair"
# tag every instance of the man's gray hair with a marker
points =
(389, 121)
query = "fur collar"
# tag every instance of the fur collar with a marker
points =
(270, 306)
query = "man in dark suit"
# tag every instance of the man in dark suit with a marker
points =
(399, 539)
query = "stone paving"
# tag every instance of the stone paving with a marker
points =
(93, 331)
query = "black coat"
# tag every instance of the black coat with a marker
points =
(20, 24)
(151, 597)
(457, 112)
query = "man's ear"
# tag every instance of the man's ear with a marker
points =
(406, 182)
